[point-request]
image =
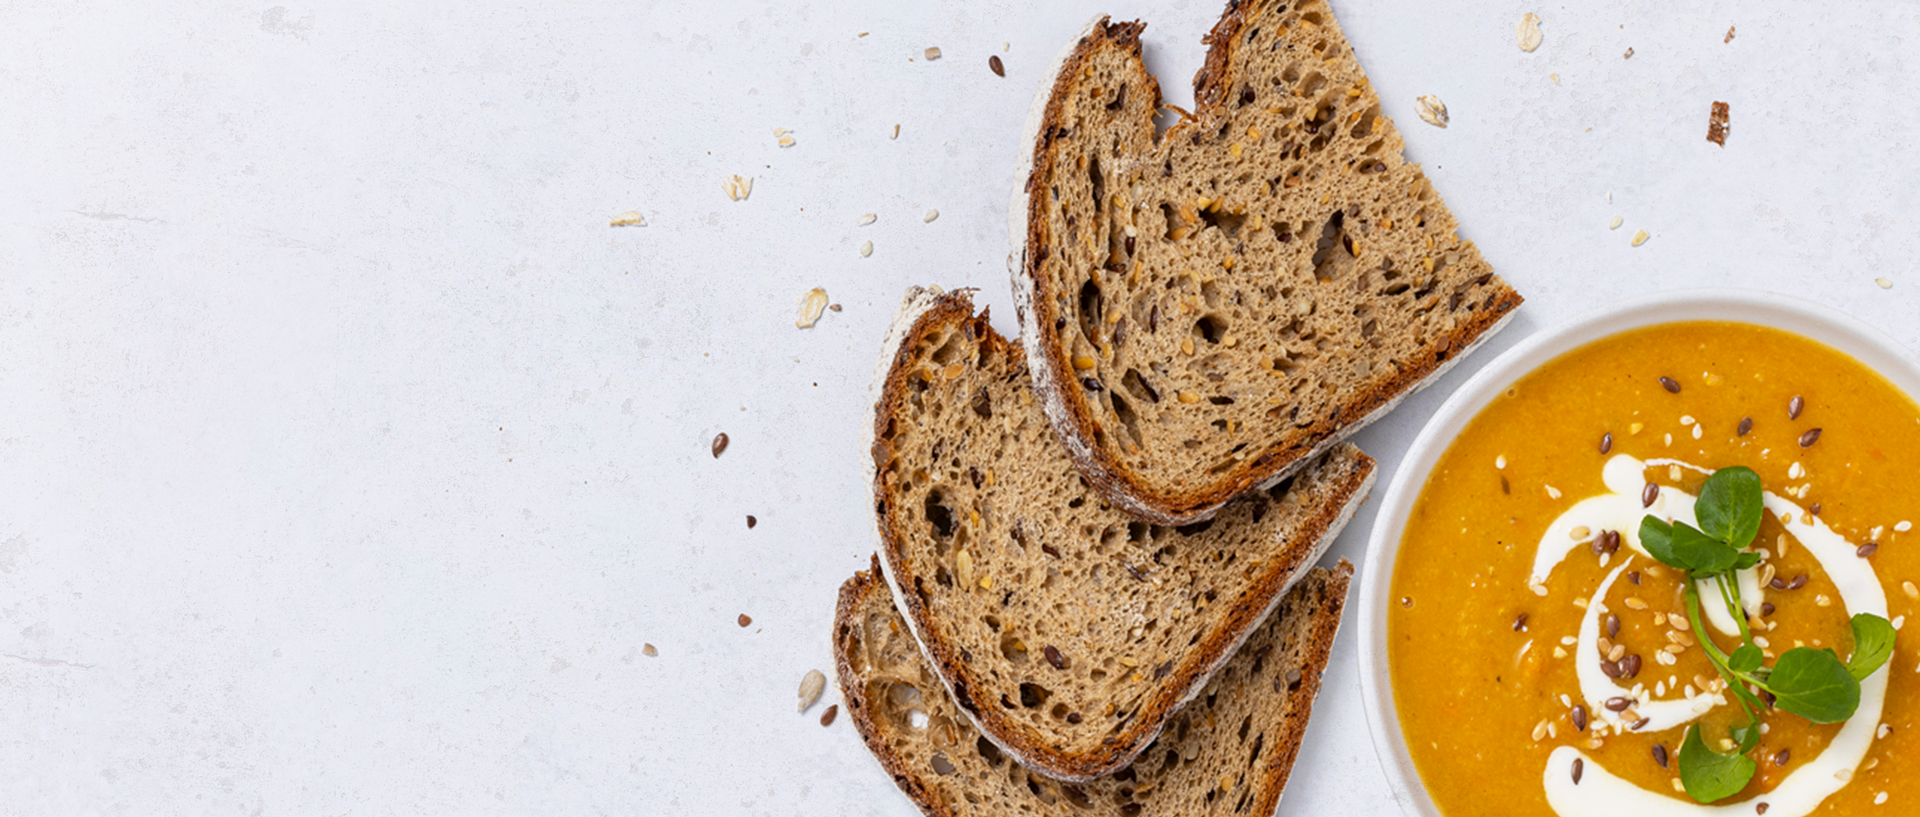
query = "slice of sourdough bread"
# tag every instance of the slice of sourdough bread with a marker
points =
(1227, 753)
(1066, 630)
(1205, 310)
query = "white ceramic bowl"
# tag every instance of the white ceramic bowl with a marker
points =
(1869, 346)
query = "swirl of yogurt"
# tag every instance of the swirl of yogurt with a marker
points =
(1603, 794)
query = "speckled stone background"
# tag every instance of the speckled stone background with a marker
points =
(348, 457)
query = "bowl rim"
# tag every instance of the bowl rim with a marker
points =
(1872, 347)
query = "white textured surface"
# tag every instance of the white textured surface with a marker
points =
(348, 457)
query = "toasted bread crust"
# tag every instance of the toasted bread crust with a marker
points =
(857, 592)
(1037, 299)
(1318, 525)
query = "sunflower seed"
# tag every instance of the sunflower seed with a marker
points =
(810, 688)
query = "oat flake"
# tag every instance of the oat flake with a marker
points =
(1528, 32)
(1615, 223)
(811, 306)
(630, 218)
(1432, 110)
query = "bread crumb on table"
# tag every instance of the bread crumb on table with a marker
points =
(1885, 283)
(811, 305)
(1639, 237)
(630, 218)
(933, 53)
(1432, 110)
(1717, 124)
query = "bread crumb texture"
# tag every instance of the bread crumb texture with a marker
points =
(1071, 630)
(1274, 255)
(1227, 753)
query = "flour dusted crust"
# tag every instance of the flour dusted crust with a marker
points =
(1205, 310)
(999, 550)
(1228, 753)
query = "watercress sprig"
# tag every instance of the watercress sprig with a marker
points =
(1813, 684)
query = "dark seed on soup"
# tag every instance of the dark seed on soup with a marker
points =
(1808, 439)
(1672, 386)
(1746, 425)
(1648, 495)
(1795, 406)
(1606, 442)
(1660, 754)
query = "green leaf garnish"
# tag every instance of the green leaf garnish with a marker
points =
(1700, 552)
(1814, 685)
(1811, 683)
(1872, 645)
(1730, 506)
(1709, 775)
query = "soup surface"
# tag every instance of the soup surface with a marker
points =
(1497, 575)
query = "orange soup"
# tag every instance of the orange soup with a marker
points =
(1544, 664)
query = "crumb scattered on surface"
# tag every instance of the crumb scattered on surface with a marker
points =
(630, 218)
(745, 619)
(1527, 33)
(1639, 237)
(994, 65)
(811, 305)
(1628, 55)
(1555, 78)
(1885, 283)
(867, 219)
(833, 307)
(1615, 223)
(866, 249)
(751, 521)
(648, 650)
(1717, 124)
(896, 132)
(1729, 35)
(738, 187)
(1432, 110)
(933, 53)
(930, 216)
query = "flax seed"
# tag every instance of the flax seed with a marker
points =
(1780, 758)
(1520, 624)
(1648, 495)
(1795, 406)
(1746, 425)
(1660, 754)
(1867, 549)
(1613, 626)
(1672, 386)
(1578, 766)
(1606, 442)
(1808, 439)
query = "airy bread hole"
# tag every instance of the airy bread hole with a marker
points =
(1332, 250)
(953, 349)
(1013, 649)
(1174, 228)
(1090, 307)
(1364, 127)
(1139, 386)
(939, 516)
(1099, 182)
(1211, 327)
(1227, 223)
(941, 765)
(1128, 420)
(1076, 797)
(989, 752)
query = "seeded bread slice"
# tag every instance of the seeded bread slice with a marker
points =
(1205, 311)
(1066, 630)
(1227, 753)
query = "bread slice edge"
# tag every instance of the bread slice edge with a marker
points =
(1047, 357)
(1330, 518)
